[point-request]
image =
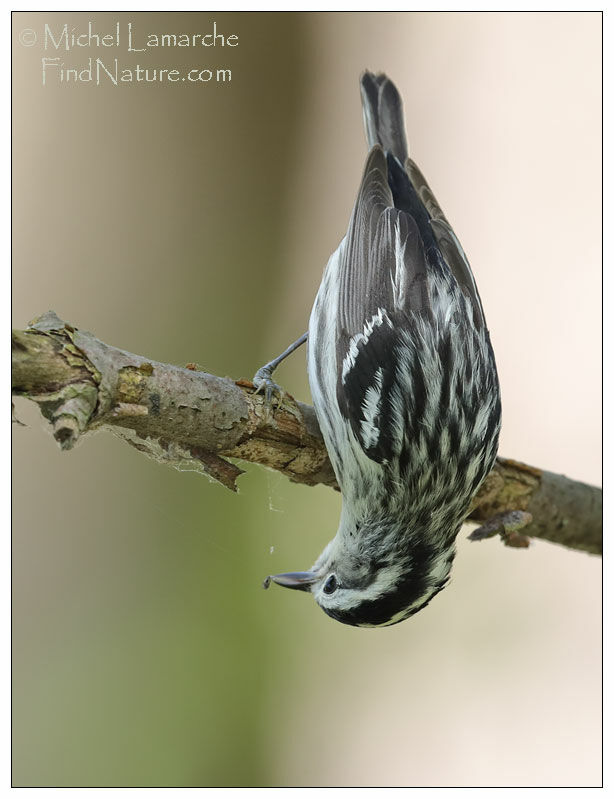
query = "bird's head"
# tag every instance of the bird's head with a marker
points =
(366, 579)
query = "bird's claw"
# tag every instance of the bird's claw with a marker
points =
(507, 526)
(264, 384)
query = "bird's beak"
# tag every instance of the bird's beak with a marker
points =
(302, 581)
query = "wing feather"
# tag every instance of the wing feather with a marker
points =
(449, 246)
(383, 290)
(384, 265)
(399, 254)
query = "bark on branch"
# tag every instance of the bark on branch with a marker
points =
(190, 419)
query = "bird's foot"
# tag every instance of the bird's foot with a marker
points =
(507, 526)
(263, 381)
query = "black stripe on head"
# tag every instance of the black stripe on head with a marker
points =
(413, 585)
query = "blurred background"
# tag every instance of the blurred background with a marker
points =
(191, 222)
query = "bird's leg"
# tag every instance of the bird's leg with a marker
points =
(263, 379)
(507, 526)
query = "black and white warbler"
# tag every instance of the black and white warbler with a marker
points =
(404, 384)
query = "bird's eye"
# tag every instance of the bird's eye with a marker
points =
(330, 585)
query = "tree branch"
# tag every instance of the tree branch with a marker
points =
(193, 420)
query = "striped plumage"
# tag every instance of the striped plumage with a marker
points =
(404, 384)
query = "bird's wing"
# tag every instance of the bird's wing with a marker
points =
(383, 289)
(383, 264)
(449, 246)
(398, 242)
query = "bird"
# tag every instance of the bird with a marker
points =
(404, 384)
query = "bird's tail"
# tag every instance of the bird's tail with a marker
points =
(383, 114)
